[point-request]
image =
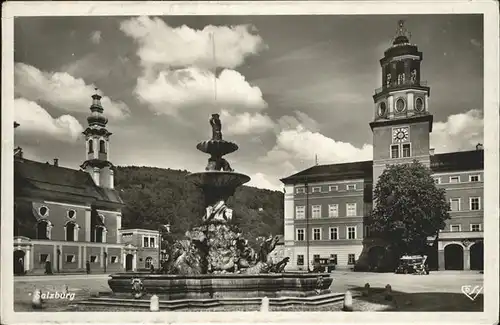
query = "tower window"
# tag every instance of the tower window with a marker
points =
(91, 146)
(419, 104)
(394, 151)
(400, 105)
(406, 150)
(102, 146)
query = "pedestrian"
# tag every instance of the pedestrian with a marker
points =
(48, 268)
(152, 268)
(87, 265)
(21, 266)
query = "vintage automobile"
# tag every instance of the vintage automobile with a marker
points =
(322, 265)
(415, 264)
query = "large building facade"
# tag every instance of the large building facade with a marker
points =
(326, 205)
(65, 217)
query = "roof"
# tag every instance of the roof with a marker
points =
(44, 180)
(353, 170)
(446, 162)
(137, 230)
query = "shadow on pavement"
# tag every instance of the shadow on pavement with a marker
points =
(422, 301)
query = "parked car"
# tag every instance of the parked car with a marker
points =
(415, 264)
(322, 265)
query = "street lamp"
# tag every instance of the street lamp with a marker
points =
(105, 261)
(307, 223)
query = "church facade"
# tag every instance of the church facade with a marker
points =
(66, 220)
(326, 206)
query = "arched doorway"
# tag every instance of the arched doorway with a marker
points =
(453, 257)
(147, 263)
(376, 257)
(19, 262)
(477, 256)
(70, 231)
(128, 262)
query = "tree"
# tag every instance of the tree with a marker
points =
(408, 208)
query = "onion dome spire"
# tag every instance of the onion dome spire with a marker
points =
(97, 117)
(402, 34)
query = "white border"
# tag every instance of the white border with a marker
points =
(491, 145)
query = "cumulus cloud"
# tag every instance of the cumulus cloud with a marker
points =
(35, 120)
(246, 123)
(160, 44)
(175, 90)
(460, 132)
(298, 141)
(61, 90)
(96, 37)
(261, 180)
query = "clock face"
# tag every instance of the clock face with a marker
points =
(400, 134)
(400, 105)
(382, 109)
(419, 104)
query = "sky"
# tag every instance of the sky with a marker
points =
(288, 88)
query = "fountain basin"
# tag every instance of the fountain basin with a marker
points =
(218, 179)
(217, 147)
(171, 287)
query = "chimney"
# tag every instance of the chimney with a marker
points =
(56, 162)
(479, 146)
(431, 151)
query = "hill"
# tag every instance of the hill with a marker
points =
(156, 196)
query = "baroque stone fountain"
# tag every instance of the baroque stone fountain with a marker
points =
(215, 261)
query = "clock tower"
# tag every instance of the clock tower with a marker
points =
(402, 123)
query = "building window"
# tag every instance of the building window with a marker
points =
(351, 258)
(102, 146)
(316, 257)
(91, 146)
(333, 210)
(437, 180)
(300, 234)
(44, 258)
(367, 231)
(455, 228)
(351, 187)
(71, 214)
(316, 211)
(43, 230)
(145, 242)
(351, 209)
(316, 189)
(475, 203)
(351, 232)
(70, 231)
(455, 204)
(43, 211)
(394, 151)
(454, 179)
(93, 259)
(316, 233)
(299, 190)
(152, 242)
(474, 178)
(300, 212)
(475, 227)
(333, 188)
(147, 263)
(333, 258)
(334, 233)
(300, 259)
(406, 150)
(99, 234)
(114, 259)
(70, 258)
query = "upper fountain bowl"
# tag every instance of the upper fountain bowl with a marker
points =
(217, 148)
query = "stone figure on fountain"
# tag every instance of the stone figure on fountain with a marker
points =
(216, 127)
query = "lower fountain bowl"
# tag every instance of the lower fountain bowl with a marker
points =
(218, 179)
(171, 287)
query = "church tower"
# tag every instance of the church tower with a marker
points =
(402, 123)
(97, 146)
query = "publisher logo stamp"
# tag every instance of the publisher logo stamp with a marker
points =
(471, 291)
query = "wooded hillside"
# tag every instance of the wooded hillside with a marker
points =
(156, 196)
